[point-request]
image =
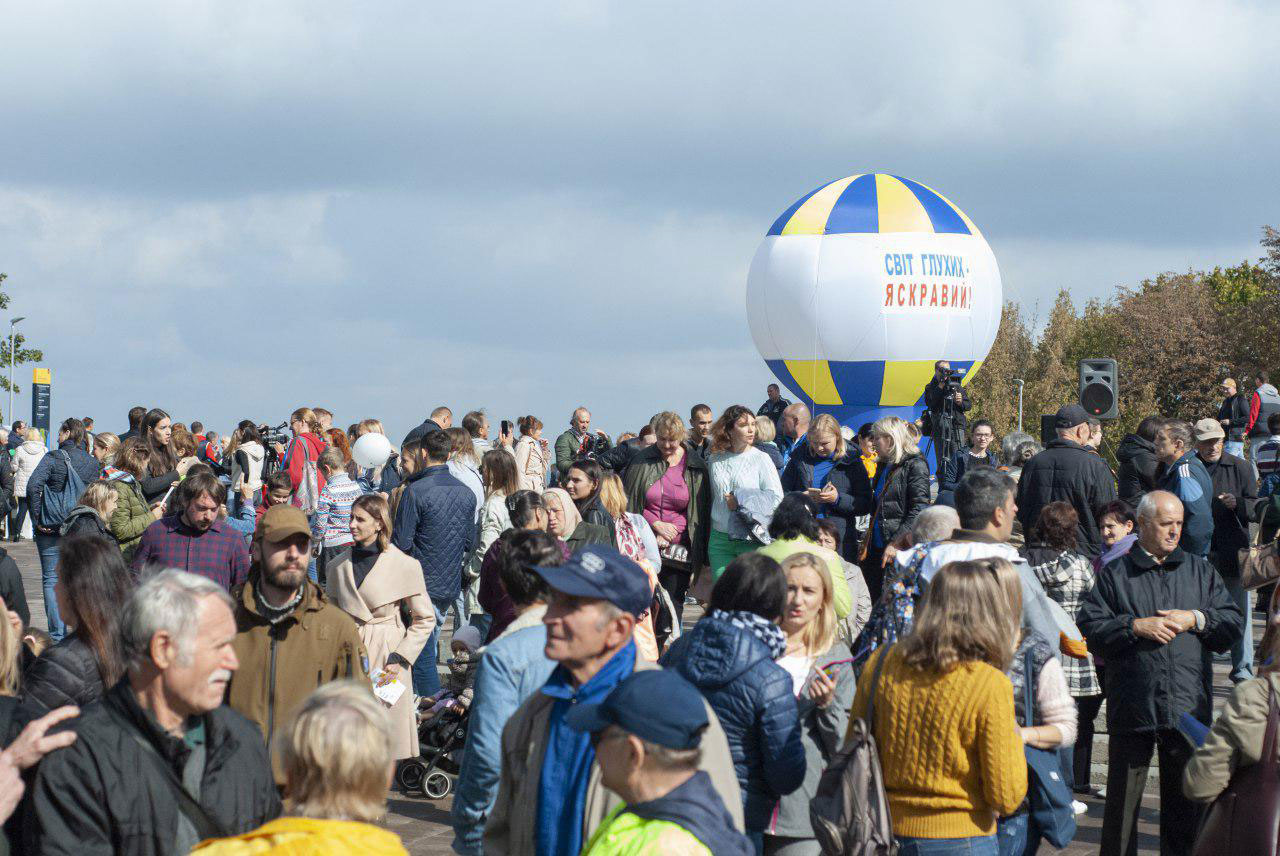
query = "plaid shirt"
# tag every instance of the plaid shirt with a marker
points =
(218, 553)
(1068, 579)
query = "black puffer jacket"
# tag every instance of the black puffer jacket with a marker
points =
(66, 673)
(1066, 472)
(1234, 476)
(1149, 685)
(905, 494)
(849, 478)
(105, 794)
(1138, 464)
(11, 588)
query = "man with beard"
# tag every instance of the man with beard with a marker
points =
(158, 763)
(289, 638)
(191, 537)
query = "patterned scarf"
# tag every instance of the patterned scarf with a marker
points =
(761, 628)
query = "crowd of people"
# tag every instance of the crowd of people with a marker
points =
(244, 631)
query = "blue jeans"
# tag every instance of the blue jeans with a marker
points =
(979, 845)
(1011, 833)
(1242, 650)
(426, 672)
(47, 547)
(482, 621)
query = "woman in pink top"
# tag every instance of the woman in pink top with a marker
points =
(668, 484)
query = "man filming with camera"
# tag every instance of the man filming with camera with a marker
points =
(946, 402)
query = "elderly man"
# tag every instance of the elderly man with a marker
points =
(578, 440)
(792, 428)
(193, 539)
(1158, 615)
(159, 764)
(1067, 471)
(648, 734)
(1235, 494)
(1184, 476)
(550, 798)
(289, 638)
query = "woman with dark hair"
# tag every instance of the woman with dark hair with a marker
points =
(162, 469)
(93, 583)
(795, 529)
(378, 587)
(739, 472)
(513, 668)
(533, 455)
(51, 478)
(1117, 524)
(1067, 576)
(246, 455)
(528, 513)
(498, 473)
(730, 657)
(582, 482)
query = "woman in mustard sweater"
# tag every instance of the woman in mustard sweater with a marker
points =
(949, 745)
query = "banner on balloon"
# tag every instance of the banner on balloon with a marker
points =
(861, 286)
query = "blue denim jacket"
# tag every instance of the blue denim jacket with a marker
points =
(513, 668)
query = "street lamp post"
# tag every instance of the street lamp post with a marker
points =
(1021, 383)
(13, 322)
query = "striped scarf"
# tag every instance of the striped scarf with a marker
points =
(761, 628)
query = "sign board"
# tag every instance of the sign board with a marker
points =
(41, 381)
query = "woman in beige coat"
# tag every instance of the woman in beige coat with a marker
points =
(371, 588)
(532, 455)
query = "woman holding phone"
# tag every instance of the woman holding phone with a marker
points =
(823, 682)
(832, 475)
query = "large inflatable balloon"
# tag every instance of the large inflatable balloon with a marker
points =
(861, 286)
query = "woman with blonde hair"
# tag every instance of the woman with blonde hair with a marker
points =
(634, 539)
(830, 472)
(766, 433)
(464, 465)
(306, 445)
(900, 491)
(378, 588)
(823, 681)
(950, 749)
(92, 511)
(736, 466)
(338, 763)
(105, 446)
(132, 515)
(533, 454)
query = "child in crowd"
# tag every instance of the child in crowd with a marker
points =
(457, 692)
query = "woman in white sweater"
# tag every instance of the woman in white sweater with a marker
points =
(736, 466)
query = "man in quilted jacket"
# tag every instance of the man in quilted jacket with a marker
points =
(435, 524)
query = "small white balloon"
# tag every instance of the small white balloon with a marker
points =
(371, 450)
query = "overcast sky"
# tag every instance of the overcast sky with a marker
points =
(229, 209)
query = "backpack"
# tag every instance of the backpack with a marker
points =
(55, 505)
(892, 617)
(850, 812)
(308, 493)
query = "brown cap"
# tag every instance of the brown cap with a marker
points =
(1208, 429)
(280, 522)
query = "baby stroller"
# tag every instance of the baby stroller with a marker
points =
(441, 739)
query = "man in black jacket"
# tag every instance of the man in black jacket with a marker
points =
(1233, 416)
(1067, 471)
(1235, 493)
(773, 405)
(159, 763)
(1136, 455)
(940, 394)
(1158, 615)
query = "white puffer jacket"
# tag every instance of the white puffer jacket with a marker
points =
(25, 459)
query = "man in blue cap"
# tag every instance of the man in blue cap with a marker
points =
(551, 799)
(648, 734)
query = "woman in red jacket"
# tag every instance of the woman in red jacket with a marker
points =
(305, 446)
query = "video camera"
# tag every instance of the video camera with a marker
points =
(951, 380)
(593, 445)
(272, 435)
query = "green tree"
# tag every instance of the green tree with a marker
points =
(21, 353)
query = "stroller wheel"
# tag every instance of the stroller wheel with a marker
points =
(410, 775)
(438, 785)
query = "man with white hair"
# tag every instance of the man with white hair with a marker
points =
(1158, 615)
(159, 763)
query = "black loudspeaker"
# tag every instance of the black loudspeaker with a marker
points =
(1100, 388)
(1047, 430)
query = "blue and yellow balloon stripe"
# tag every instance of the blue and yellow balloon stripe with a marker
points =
(876, 383)
(873, 203)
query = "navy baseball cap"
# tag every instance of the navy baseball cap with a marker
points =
(601, 572)
(656, 705)
(1069, 416)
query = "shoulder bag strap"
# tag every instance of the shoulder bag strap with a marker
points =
(866, 541)
(871, 693)
(1273, 725)
(1028, 693)
(206, 826)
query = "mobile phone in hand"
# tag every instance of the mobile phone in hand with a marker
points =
(506, 426)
